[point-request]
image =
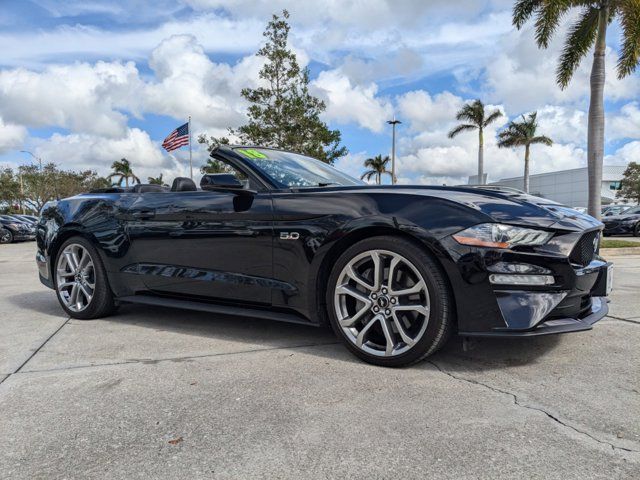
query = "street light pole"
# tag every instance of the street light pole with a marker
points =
(393, 124)
(37, 158)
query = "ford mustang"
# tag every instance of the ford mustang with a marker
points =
(394, 270)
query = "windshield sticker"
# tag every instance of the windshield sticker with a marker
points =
(251, 153)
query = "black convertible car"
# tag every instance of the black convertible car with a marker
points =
(394, 269)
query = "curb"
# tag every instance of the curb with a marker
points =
(619, 252)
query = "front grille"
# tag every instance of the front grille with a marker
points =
(586, 248)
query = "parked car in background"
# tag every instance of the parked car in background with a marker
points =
(30, 219)
(580, 209)
(611, 210)
(17, 229)
(626, 223)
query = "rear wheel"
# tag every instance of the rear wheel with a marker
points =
(388, 301)
(6, 236)
(636, 230)
(81, 282)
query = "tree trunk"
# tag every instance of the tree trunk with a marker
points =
(378, 178)
(526, 168)
(480, 156)
(595, 137)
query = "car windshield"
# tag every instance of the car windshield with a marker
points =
(288, 169)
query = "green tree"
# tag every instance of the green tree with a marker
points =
(32, 187)
(589, 29)
(523, 134)
(122, 171)
(630, 187)
(9, 189)
(474, 117)
(282, 112)
(156, 180)
(377, 166)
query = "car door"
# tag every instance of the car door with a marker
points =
(213, 245)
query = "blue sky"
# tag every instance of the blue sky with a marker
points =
(85, 83)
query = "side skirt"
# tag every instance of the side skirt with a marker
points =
(215, 308)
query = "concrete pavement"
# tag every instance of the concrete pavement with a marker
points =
(154, 393)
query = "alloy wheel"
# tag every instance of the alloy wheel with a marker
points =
(382, 303)
(75, 277)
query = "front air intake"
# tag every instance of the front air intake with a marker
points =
(586, 248)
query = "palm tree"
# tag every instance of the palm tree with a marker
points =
(156, 180)
(590, 28)
(475, 118)
(377, 166)
(523, 133)
(122, 169)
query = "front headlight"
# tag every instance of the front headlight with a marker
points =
(498, 235)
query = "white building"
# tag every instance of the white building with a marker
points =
(570, 187)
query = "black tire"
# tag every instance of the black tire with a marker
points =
(636, 230)
(6, 236)
(440, 322)
(102, 303)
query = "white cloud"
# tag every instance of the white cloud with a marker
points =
(563, 124)
(426, 112)
(625, 124)
(81, 97)
(11, 136)
(189, 83)
(347, 102)
(629, 152)
(84, 150)
(523, 77)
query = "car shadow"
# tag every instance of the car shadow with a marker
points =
(43, 302)
(476, 354)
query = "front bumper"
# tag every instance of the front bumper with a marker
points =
(573, 302)
(599, 309)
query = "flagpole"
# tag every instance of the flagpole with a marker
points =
(190, 157)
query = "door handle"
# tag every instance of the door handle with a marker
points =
(144, 214)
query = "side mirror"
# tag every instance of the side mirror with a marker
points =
(216, 181)
(224, 182)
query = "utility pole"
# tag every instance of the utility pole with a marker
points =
(36, 158)
(21, 182)
(393, 124)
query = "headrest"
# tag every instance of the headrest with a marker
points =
(183, 184)
(144, 187)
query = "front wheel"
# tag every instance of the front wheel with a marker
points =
(81, 281)
(636, 230)
(389, 302)
(6, 236)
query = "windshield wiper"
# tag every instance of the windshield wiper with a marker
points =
(327, 184)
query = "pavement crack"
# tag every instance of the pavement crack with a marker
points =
(517, 402)
(34, 353)
(636, 322)
(183, 358)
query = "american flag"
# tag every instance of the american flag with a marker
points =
(176, 139)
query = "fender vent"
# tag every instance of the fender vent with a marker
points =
(586, 248)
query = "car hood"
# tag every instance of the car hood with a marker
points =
(512, 208)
